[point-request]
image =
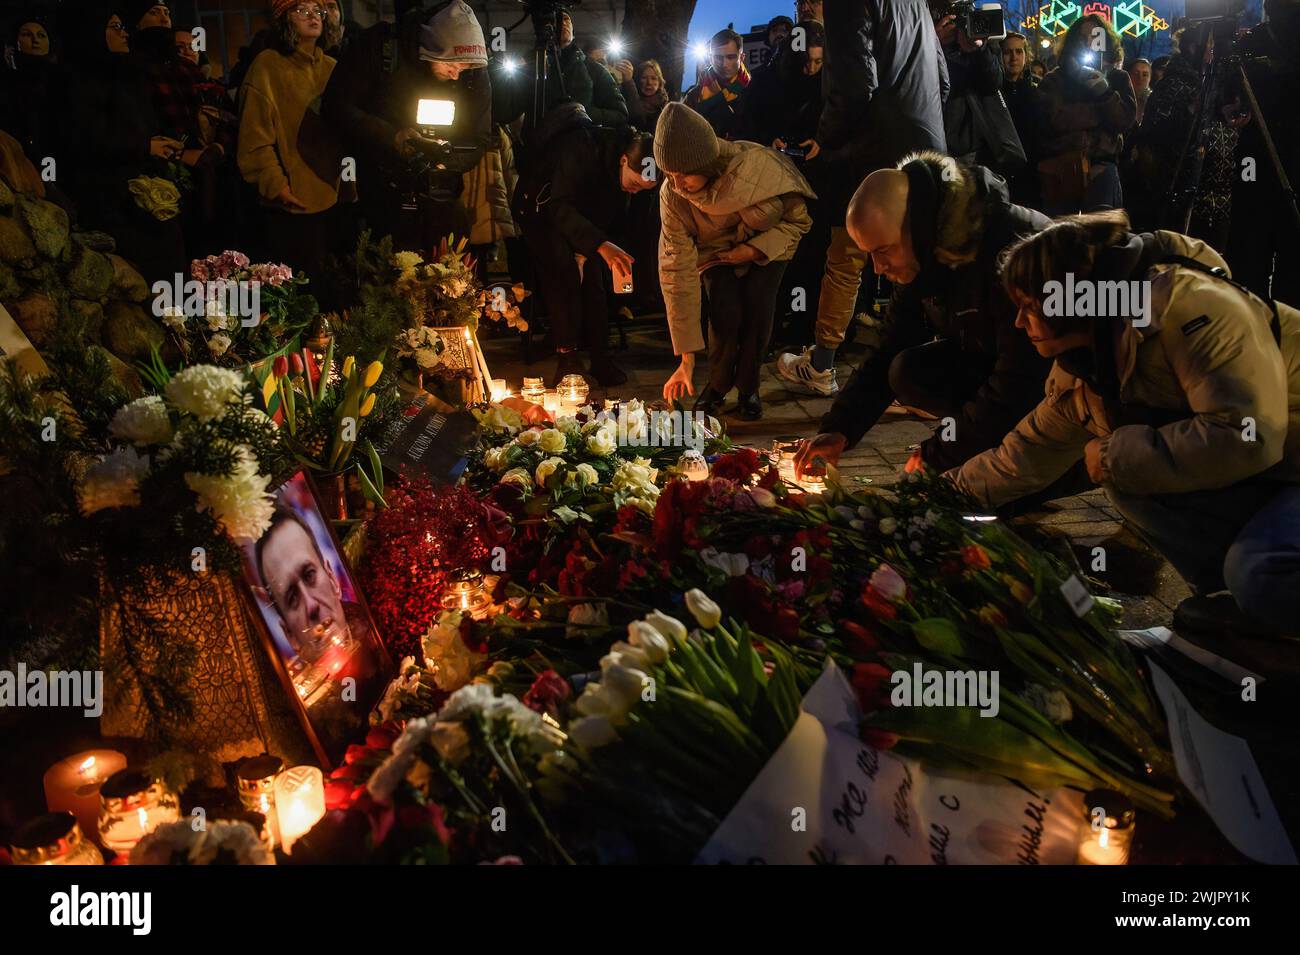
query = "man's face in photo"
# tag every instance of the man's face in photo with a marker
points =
(1013, 57)
(808, 10)
(725, 59)
(303, 588)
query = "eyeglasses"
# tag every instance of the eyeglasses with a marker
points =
(315, 13)
(116, 26)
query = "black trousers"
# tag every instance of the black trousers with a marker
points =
(741, 311)
(576, 305)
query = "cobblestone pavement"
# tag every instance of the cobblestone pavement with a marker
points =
(1147, 586)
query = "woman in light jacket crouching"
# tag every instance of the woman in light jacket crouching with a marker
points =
(734, 213)
(1182, 395)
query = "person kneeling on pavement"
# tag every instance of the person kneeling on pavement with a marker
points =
(1186, 410)
(934, 227)
(734, 212)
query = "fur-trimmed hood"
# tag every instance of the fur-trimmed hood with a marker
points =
(968, 197)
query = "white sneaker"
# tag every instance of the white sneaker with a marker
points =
(799, 370)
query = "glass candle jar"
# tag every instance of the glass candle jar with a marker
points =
(132, 803)
(500, 389)
(467, 592)
(72, 785)
(573, 391)
(551, 403)
(54, 839)
(534, 390)
(1106, 832)
(299, 803)
(255, 780)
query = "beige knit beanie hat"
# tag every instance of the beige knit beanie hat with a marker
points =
(684, 140)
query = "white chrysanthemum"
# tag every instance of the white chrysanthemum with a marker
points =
(143, 422)
(239, 501)
(205, 391)
(114, 481)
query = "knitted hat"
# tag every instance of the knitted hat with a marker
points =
(132, 10)
(280, 7)
(684, 140)
(453, 35)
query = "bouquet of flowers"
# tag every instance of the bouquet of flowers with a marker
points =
(326, 414)
(246, 312)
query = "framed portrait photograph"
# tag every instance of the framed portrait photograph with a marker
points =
(315, 622)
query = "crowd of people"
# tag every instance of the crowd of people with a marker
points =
(974, 174)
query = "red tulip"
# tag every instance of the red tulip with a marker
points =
(280, 367)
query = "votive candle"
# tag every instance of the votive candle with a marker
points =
(72, 784)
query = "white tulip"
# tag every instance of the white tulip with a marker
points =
(706, 613)
(592, 732)
(654, 644)
(670, 627)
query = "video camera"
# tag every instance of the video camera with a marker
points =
(978, 23)
(429, 152)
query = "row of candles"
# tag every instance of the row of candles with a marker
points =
(92, 797)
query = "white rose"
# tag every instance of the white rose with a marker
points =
(706, 613)
(546, 469)
(602, 442)
(495, 459)
(519, 476)
(528, 438)
(584, 475)
(552, 441)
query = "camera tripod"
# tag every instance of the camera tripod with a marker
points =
(1212, 69)
(545, 15)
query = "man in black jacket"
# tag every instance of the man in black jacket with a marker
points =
(569, 202)
(883, 86)
(430, 53)
(934, 227)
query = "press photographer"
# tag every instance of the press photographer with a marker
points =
(409, 172)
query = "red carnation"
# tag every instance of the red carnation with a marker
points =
(740, 465)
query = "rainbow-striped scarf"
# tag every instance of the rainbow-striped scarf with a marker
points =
(710, 86)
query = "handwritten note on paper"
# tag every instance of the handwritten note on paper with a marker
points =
(827, 798)
(1220, 772)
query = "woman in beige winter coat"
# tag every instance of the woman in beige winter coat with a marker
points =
(732, 213)
(1181, 392)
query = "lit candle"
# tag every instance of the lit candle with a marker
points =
(72, 784)
(133, 803)
(500, 389)
(573, 391)
(299, 803)
(54, 839)
(1106, 833)
(534, 390)
(551, 402)
(255, 780)
(467, 592)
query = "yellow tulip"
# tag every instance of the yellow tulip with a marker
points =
(348, 364)
(372, 374)
(368, 405)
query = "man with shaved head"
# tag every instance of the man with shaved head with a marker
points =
(935, 227)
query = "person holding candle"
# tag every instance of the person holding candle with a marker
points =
(571, 202)
(733, 212)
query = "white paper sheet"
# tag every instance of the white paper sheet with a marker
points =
(1220, 772)
(826, 797)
